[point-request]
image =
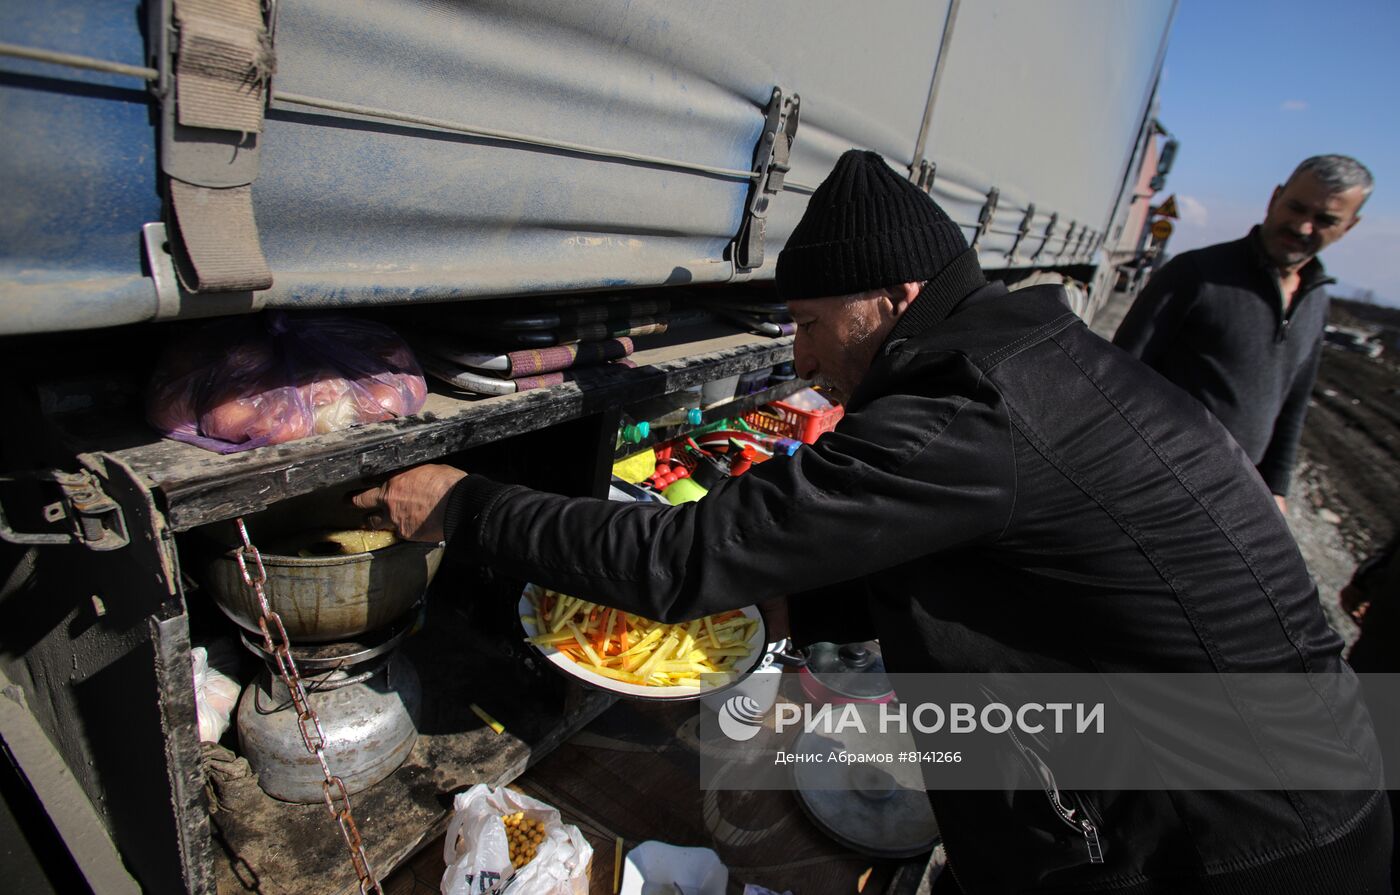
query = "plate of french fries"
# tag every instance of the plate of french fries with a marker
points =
(627, 654)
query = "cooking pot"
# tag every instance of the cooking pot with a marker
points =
(320, 598)
(851, 672)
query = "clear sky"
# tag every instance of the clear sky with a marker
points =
(1251, 88)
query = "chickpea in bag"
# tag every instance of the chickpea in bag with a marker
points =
(498, 837)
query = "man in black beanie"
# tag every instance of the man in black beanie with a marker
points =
(1006, 492)
(857, 260)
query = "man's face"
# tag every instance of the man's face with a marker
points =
(1304, 218)
(838, 336)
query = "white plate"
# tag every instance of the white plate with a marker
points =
(526, 610)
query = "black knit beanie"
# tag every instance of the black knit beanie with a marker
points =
(866, 228)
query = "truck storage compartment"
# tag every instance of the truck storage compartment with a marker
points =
(459, 651)
(173, 504)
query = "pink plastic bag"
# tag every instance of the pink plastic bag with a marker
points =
(240, 384)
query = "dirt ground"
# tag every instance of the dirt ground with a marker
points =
(1345, 499)
(1352, 444)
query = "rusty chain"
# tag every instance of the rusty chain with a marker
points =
(333, 789)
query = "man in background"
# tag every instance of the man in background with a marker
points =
(1239, 325)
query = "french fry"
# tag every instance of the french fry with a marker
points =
(660, 653)
(588, 651)
(712, 653)
(682, 667)
(556, 621)
(710, 629)
(607, 632)
(625, 647)
(615, 674)
(645, 644)
(688, 640)
(552, 639)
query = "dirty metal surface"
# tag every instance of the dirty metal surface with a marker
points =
(467, 652)
(102, 653)
(200, 487)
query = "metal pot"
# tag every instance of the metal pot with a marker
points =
(370, 721)
(852, 672)
(324, 598)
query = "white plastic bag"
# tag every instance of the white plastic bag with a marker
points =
(215, 693)
(478, 857)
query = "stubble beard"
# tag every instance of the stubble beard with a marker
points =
(862, 334)
(1284, 256)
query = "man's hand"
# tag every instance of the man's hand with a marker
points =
(413, 503)
(1282, 504)
(1355, 602)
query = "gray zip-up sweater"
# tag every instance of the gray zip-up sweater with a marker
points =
(1212, 321)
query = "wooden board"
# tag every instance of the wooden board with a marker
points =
(199, 487)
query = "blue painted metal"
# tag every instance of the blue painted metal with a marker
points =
(78, 172)
(359, 212)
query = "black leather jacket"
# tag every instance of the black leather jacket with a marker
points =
(1012, 493)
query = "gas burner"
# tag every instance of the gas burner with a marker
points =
(318, 657)
(368, 717)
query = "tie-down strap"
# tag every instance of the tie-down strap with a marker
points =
(220, 239)
(223, 64)
(222, 61)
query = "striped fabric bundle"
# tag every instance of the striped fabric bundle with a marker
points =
(532, 361)
(542, 345)
(481, 383)
(493, 373)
